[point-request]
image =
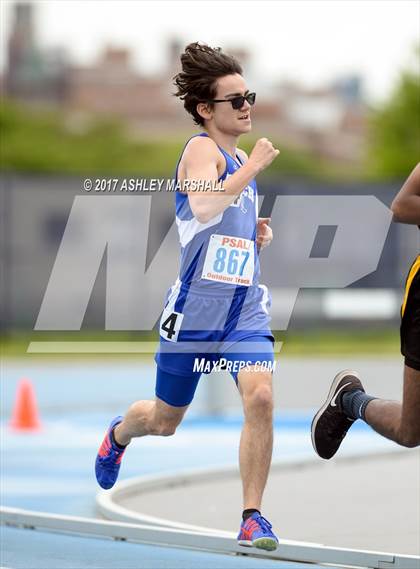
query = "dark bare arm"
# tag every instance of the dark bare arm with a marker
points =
(406, 204)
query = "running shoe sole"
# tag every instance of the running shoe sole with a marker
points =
(331, 395)
(267, 543)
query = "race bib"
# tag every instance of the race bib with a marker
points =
(229, 260)
(170, 324)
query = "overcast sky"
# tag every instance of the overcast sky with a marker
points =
(310, 41)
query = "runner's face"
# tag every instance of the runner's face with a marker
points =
(229, 120)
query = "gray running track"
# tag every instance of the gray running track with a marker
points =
(360, 503)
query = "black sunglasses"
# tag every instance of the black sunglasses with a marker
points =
(237, 102)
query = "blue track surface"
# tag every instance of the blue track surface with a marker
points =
(53, 551)
(52, 471)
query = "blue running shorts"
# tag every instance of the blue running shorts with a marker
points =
(240, 336)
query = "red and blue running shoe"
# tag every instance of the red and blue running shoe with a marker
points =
(108, 459)
(256, 532)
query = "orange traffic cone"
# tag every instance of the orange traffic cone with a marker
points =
(25, 412)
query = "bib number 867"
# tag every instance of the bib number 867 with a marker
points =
(232, 261)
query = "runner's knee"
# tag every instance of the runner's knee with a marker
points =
(409, 437)
(259, 399)
(165, 421)
(163, 428)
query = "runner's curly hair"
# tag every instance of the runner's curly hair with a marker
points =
(202, 65)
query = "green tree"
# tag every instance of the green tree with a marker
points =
(394, 136)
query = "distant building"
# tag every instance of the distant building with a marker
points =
(33, 75)
(329, 122)
(112, 87)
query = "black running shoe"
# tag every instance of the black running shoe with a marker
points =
(330, 424)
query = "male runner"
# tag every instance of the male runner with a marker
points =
(216, 310)
(347, 400)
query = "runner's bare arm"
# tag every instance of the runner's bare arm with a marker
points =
(201, 160)
(264, 232)
(406, 204)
